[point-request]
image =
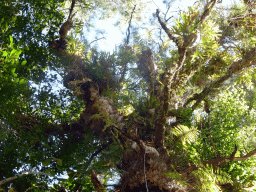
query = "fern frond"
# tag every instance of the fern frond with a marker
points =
(185, 134)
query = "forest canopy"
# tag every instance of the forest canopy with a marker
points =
(172, 108)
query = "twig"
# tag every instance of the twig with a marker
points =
(96, 40)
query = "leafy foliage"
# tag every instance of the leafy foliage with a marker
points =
(200, 95)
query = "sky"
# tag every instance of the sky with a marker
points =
(113, 36)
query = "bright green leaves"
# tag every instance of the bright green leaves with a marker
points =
(9, 64)
(11, 41)
(207, 32)
(185, 134)
(185, 23)
(209, 38)
(23, 63)
(13, 72)
(230, 123)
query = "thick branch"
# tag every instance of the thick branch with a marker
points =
(23, 122)
(96, 182)
(180, 64)
(248, 60)
(188, 40)
(165, 107)
(133, 138)
(206, 12)
(160, 122)
(168, 32)
(220, 161)
(103, 147)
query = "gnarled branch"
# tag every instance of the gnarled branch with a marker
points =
(219, 161)
(246, 61)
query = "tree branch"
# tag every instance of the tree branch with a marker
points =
(168, 32)
(33, 187)
(133, 138)
(96, 40)
(247, 60)
(160, 122)
(128, 30)
(220, 161)
(206, 12)
(96, 182)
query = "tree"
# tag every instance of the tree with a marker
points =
(182, 119)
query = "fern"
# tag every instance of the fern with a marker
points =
(185, 134)
(208, 180)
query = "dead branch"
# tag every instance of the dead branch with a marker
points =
(128, 49)
(103, 147)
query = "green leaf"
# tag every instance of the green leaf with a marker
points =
(16, 80)
(5, 53)
(23, 62)
(6, 27)
(12, 52)
(47, 162)
(11, 40)
(22, 81)
(13, 71)
(59, 162)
